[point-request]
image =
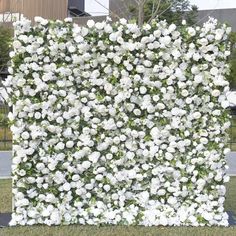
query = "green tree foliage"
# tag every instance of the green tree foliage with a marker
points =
(173, 11)
(5, 41)
(232, 61)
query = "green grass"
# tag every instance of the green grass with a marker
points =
(5, 146)
(5, 196)
(76, 230)
(5, 132)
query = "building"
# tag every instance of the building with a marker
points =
(11, 10)
(222, 15)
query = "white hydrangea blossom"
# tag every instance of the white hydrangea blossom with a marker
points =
(113, 124)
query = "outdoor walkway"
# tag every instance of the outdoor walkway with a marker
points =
(5, 164)
(231, 159)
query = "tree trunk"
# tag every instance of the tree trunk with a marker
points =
(141, 13)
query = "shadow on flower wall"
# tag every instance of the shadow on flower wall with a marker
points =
(113, 124)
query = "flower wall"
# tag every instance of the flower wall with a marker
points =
(113, 124)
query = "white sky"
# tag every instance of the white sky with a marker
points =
(213, 4)
(95, 9)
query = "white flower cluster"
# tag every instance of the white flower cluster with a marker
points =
(113, 124)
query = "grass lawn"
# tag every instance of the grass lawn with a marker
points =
(75, 230)
(5, 134)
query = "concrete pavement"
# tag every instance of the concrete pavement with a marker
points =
(231, 161)
(5, 164)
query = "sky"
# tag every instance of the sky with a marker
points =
(213, 4)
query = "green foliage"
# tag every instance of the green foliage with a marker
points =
(5, 41)
(3, 120)
(173, 11)
(232, 61)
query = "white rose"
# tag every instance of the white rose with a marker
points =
(214, 71)
(161, 192)
(225, 104)
(71, 49)
(198, 79)
(172, 27)
(100, 25)
(37, 115)
(84, 31)
(219, 34)
(108, 87)
(40, 20)
(169, 156)
(106, 187)
(25, 135)
(172, 200)
(60, 120)
(207, 216)
(108, 29)
(16, 44)
(156, 98)
(165, 40)
(117, 59)
(184, 93)
(55, 217)
(130, 155)
(113, 37)
(40, 166)
(143, 90)
(69, 144)
(132, 174)
(191, 31)
(60, 146)
(68, 20)
(140, 69)
(137, 112)
(215, 93)
(94, 156)
(122, 137)
(196, 115)
(160, 106)
(90, 23)
(86, 164)
(66, 187)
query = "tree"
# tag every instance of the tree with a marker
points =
(5, 41)
(173, 11)
(232, 61)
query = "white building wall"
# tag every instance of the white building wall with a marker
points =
(213, 4)
(97, 7)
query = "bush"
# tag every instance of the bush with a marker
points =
(5, 41)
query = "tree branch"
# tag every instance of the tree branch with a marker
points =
(154, 14)
(166, 9)
(141, 12)
(112, 13)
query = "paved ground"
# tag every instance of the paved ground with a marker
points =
(5, 164)
(231, 159)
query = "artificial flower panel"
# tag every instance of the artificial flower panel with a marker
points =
(113, 124)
